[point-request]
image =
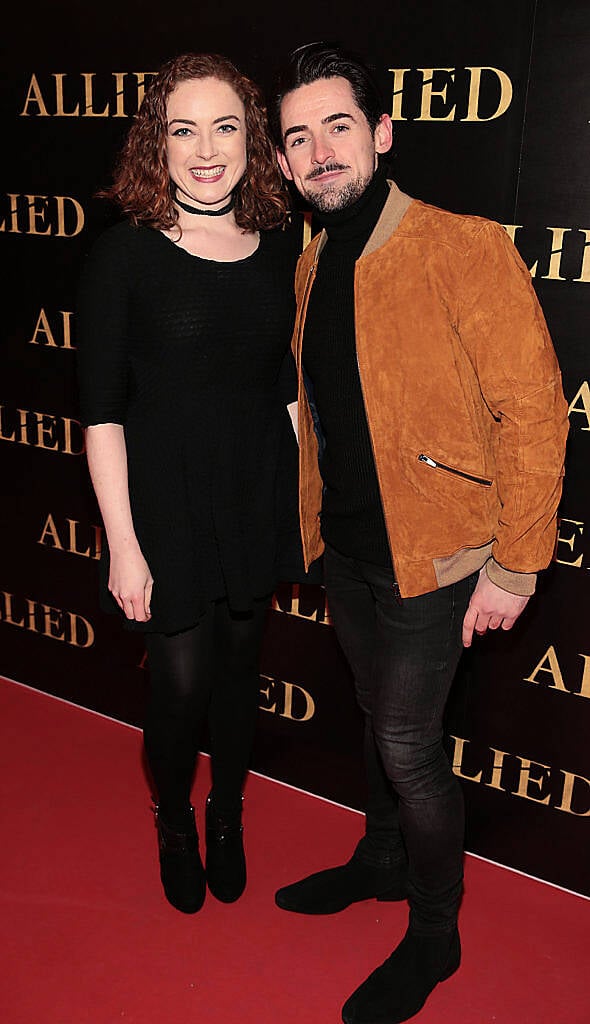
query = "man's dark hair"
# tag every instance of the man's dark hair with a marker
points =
(314, 61)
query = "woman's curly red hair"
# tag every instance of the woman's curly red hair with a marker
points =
(142, 185)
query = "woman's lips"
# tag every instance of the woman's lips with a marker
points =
(207, 173)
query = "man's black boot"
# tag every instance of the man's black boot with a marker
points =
(225, 862)
(398, 989)
(332, 890)
(181, 868)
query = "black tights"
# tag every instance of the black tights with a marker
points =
(206, 674)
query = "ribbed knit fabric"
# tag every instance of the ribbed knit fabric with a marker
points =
(352, 516)
(187, 354)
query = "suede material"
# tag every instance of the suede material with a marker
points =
(456, 364)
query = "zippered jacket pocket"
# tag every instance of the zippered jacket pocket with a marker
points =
(434, 464)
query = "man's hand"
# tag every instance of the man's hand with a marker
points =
(490, 608)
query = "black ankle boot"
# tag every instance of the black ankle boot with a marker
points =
(332, 890)
(181, 868)
(225, 861)
(398, 989)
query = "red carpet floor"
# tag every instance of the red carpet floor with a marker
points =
(88, 937)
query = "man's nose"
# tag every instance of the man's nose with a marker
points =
(322, 151)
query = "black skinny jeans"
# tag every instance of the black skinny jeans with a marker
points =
(208, 674)
(404, 655)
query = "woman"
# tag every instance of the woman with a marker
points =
(185, 317)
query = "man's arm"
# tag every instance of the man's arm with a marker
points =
(501, 325)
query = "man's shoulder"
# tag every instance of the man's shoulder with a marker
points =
(435, 225)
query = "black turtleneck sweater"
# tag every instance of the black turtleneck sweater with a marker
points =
(352, 516)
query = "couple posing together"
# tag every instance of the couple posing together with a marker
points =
(414, 363)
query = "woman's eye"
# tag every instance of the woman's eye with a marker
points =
(226, 129)
(181, 132)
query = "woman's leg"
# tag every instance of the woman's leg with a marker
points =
(235, 697)
(233, 712)
(181, 677)
(181, 674)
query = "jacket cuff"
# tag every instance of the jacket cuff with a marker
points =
(521, 583)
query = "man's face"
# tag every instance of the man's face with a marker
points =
(330, 152)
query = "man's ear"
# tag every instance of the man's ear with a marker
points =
(284, 164)
(383, 134)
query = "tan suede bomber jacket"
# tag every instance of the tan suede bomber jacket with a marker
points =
(463, 399)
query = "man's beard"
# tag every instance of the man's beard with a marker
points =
(336, 197)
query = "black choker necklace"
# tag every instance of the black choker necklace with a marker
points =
(205, 213)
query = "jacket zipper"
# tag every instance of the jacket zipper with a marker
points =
(457, 472)
(300, 326)
(310, 276)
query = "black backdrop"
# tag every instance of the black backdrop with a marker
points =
(491, 108)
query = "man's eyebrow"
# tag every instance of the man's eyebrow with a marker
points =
(325, 120)
(218, 120)
(336, 117)
(293, 131)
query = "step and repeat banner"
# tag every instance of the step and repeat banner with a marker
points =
(491, 112)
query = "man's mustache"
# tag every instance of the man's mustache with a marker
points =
(317, 171)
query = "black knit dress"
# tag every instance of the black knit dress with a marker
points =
(192, 357)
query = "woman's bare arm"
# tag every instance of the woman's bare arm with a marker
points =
(130, 580)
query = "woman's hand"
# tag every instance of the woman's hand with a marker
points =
(130, 583)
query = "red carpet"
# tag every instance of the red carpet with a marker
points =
(88, 937)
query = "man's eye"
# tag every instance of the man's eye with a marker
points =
(340, 128)
(297, 141)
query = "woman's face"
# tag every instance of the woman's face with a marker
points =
(206, 141)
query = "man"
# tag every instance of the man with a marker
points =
(432, 428)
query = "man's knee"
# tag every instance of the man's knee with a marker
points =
(416, 770)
